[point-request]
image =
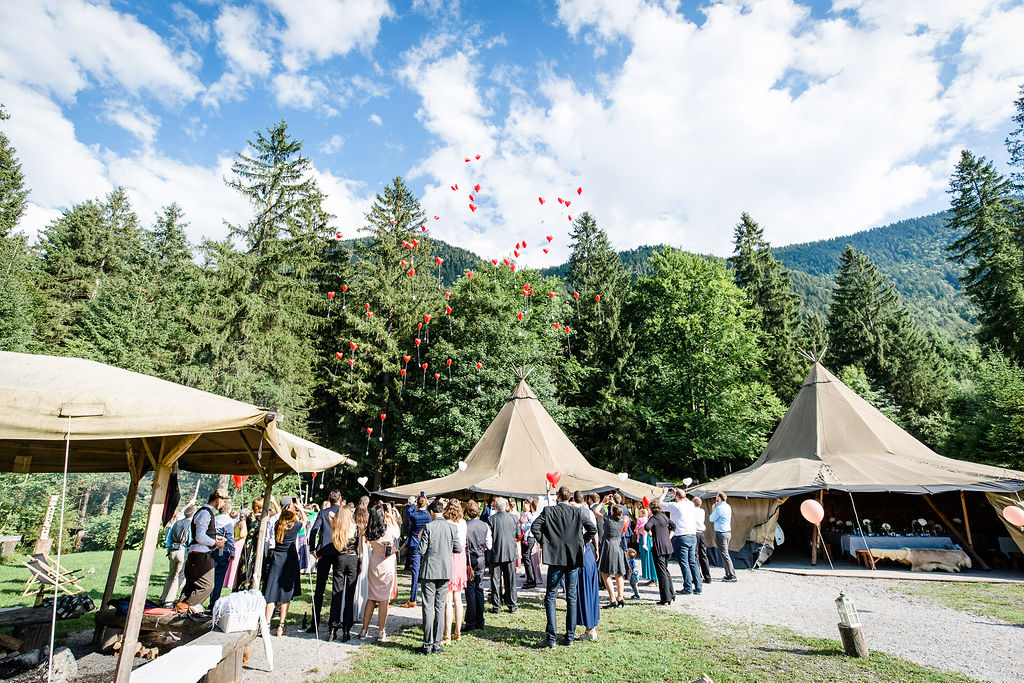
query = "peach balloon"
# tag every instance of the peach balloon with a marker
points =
(1014, 515)
(812, 511)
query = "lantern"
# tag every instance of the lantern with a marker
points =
(847, 611)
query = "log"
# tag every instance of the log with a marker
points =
(959, 537)
(854, 644)
(10, 642)
(135, 472)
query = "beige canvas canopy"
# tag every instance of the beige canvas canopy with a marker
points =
(832, 439)
(514, 455)
(110, 408)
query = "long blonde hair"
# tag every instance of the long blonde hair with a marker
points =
(284, 522)
(342, 528)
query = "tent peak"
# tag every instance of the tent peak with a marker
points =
(814, 356)
(522, 372)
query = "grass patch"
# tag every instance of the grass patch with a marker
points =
(639, 643)
(13, 577)
(1003, 601)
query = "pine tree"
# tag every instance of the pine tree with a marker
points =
(592, 387)
(990, 220)
(13, 194)
(1015, 143)
(769, 289)
(261, 345)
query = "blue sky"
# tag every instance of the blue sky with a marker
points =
(818, 118)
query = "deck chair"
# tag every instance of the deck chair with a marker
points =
(44, 572)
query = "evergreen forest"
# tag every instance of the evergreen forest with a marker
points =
(399, 349)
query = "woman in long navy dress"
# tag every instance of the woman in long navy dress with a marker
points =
(283, 579)
(588, 586)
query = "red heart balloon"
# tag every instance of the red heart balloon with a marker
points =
(353, 346)
(337, 354)
(425, 366)
(477, 157)
(579, 190)
(344, 288)
(383, 416)
(313, 475)
(472, 208)
(402, 371)
(423, 228)
(472, 198)
(240, 479)
(597, 298)
(545, 250)
(570, 219)
(494, 261)
(338, 236)
(437, 375)
(519, 315)
(427, 317)
(645, 501)
(448, 310)
(415, 243)
(467, 160)
(541, 200)
(476, 188)
(561, 201)
(352, 362)
(330, 295)
(417, 340)
(550, 237)
(369, 430)
(479, 366)
(554, 478)
(469, 274)
(437, 218)
(406, 358)
(556, 325)
(524, 244)
(551, 294)
(449, 361)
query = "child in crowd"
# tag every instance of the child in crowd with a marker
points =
(634, 572)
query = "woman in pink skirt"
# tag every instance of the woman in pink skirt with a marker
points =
(382, 532)
(456, 587)
(240, 534)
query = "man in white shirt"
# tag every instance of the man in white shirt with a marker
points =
(199, 567)
(721, 517)
(702, 543)
(684, 541)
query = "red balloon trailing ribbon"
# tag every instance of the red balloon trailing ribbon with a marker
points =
(472, 207)
(553, 478)
(330, 295)
(240, 478)
(567, 203)
(579, 190)
(550, 237)
(645, 501)
(476, 188)
(541, 200)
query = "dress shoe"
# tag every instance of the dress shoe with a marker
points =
(495, 610)
(567, 642)
(621, 603)
(411, 603)
(332, 634)
(683, 591)
(346, 635)
(545, 644)
(427, 649)
(438, 649)
(512, 610)
(730, 579)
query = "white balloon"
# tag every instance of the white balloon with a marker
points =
(462, 465)
(687, 481)
(623, 476)
(362, 480)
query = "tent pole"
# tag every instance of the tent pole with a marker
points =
(960, 539)
(257, 560)
(135, 474)
(170, 451)
(967, 522)
(816, 534)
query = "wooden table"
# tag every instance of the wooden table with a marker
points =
(113, 625)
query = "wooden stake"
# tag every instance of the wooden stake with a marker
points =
(816, 533)
(171, 448)
(967, 522)
(959, 537)
(135, 473)
(257, 560)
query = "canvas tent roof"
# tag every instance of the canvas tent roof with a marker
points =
(833, 439)
(109, 406)
(517, 450)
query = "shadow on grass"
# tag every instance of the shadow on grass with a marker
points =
(805, 651)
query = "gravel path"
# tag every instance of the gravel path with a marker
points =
(894, 622)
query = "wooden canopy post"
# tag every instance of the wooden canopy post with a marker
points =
(967, 521)
(135, 472)
(171, 448)
(261, 540)
(816, 533)
(959, 537)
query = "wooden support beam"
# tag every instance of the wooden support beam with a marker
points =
(254, 457)
(135, 472)
(967, 521)
(959, 537)
(816, 534)
(171, 448)
(257, 561)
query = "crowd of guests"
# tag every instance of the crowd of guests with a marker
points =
(586, 542)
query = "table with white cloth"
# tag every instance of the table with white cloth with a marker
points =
(851, 543)
(1007, 546)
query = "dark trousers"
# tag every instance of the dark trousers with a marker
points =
(220, 570)
(702, 557)
(475, 596)
(199, 571)
(414, 567)
(435, 592)
(346, 578)
(664, 578)
(722, 539)
(503, 582)
(326, 568)
(555, 575)
(531, 571)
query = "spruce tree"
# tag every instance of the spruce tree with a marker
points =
(19, 303)
(1015, 143)
(261, 341)
(13, 194)
(989, 219)
(769, 289)
(592, 385)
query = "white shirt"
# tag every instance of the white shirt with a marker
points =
(684, 515)
(460, 528)
(700, 515)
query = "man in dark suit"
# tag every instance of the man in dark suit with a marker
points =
(504, 547)
(562, 530)
(327, 565)
(438, 542)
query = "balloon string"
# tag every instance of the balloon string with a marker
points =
(824, 546)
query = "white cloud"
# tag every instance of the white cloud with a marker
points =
(58, 45)
(134, 119)
(332, 144)
(817, 127)
(239, 31)
(316, 30)
(375, 119)
(298, 90)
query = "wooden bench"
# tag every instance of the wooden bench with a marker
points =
(31, 625)
(212, 658)
(864, 559)
(112, 625)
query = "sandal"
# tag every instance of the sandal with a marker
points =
(362, 634)
(280, 631)
(456, 637)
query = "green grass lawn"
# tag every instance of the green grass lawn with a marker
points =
(638, 643)
(999, 600)
(13, 577)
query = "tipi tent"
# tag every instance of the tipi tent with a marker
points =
(833, 440)
(514, 455)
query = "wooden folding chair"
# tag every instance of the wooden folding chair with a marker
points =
(45, 572)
